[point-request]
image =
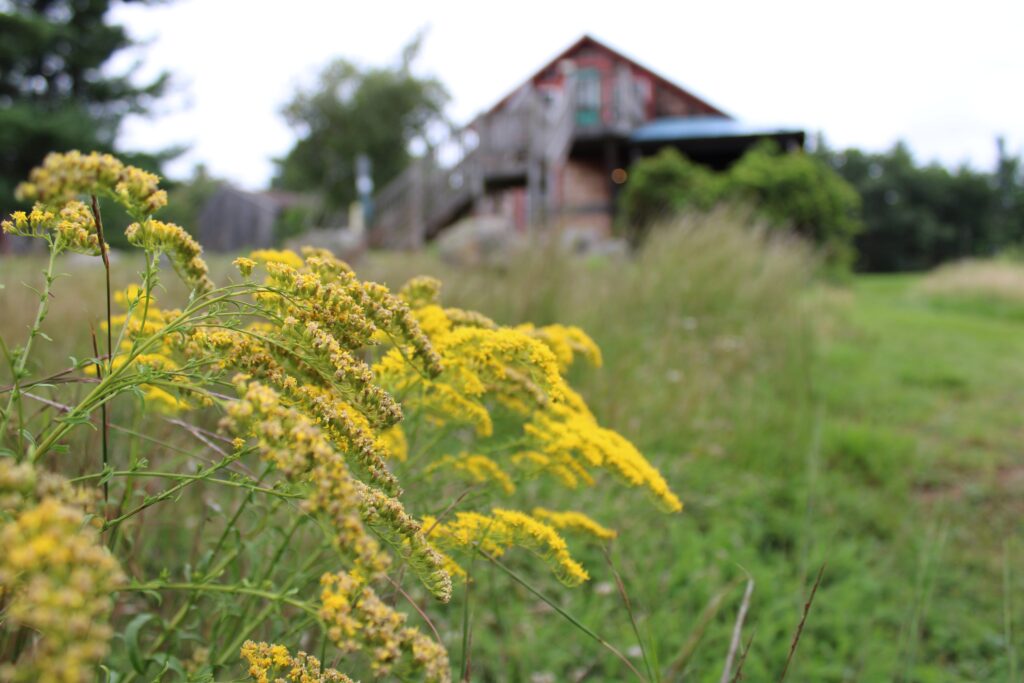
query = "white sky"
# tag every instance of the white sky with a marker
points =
(944, 76)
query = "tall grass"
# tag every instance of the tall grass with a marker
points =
(708, 351)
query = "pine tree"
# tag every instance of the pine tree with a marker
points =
(56, 92)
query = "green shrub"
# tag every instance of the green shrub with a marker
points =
(663, 185)
(799, 191)
(794, 191)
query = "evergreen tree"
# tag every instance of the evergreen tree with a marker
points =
(56, 92)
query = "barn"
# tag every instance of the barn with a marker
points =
(554, 152)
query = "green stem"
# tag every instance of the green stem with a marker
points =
(253, 623)
(570, 618)
(220, 588)
(187, 480)
(22, 358)
(191, 477)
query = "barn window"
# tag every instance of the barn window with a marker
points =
(588, 97)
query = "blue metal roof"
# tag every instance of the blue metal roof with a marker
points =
(703, 127)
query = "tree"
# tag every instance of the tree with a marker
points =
(917, 216)
(797, 190)
(55, 91)
(352, 110)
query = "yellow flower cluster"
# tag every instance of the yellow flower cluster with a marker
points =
(566, 342)
(161, 361)
(325, 290)
(298, 448)
(393, 442)
(181, 248)
(568, 435)
(575, 521)
(357, 618)
(285, 256)
(301, 450)
(421, 291)
(478, 361)
(504, 529)
(56, 578)
(63, 177)
(478, 468)
(345, 370)
(74, 227)
(245, 265)
(275, 664)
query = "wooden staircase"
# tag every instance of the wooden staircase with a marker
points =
(518, 144)
(521, 142)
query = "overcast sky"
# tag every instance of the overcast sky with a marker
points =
(944, 76)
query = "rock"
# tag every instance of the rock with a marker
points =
(480, 241)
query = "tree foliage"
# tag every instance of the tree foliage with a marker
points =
(917, 216)
(799, 191)
(792, 190)
(665, 184)
(352, 110)
(56, 92)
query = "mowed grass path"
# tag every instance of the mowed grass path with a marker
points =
(922, 403)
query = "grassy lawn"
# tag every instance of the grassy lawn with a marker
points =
(873, 428)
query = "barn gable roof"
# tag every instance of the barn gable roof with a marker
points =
(589, 41)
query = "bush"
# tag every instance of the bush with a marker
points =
(799, 191)
(793, 191)
(660, 187)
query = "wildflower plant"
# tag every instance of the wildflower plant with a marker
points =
(337, 456)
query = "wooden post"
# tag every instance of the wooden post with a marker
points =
(417, 206)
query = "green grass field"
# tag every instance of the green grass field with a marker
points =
(873, 428)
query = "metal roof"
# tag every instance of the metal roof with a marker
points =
(704, 127)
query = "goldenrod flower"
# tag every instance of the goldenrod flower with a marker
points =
(569, 434)
(285, 256)
(575, 521)
(358, 619)
(478, 468)
(504, 529)
(244, 265)
(72, 228)
(180, 247)
(274, 663)
(63, 177)
(56, 577)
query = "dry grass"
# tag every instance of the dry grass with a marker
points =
(981, 279)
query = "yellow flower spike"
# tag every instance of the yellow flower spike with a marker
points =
(421, 291)
(504, 529)
(566, 342)
(358, 619)
(575, 521)
(57, 577)
(181, 248)
(245, 265)
(569, 434)
(65, 176)
(285, 256)
(478, 468)
(274, 662)
(393, 442)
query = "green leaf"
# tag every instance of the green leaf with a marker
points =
(131, 640)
